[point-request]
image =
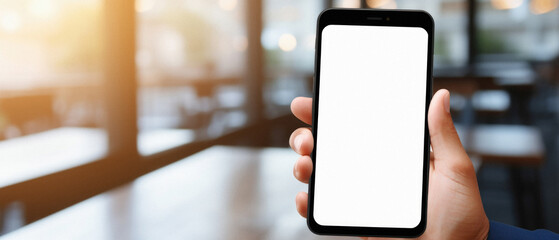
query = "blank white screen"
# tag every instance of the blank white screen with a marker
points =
(370, 138)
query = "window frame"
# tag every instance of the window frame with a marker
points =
(50, 193)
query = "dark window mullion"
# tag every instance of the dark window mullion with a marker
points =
(255, 76)
(120, 79)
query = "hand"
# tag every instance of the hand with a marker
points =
(454, 207)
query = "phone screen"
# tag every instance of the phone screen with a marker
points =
(370, 136)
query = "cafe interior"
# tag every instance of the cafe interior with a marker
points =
(170, 119)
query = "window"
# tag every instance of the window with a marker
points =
(51, 96)
(518, 29)
(288, 38)
(450, 29)
(190, 62)
(89, 88)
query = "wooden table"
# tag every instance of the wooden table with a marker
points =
(219, 193)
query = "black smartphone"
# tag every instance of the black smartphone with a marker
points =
(372, 90)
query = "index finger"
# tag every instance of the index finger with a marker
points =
(302, 109)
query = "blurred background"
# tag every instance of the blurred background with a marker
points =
(170, 119)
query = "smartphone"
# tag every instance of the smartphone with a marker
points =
(372, 90)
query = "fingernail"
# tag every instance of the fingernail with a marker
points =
(298, 142)
(446, 103)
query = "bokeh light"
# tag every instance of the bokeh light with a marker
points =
(10, 21)
(389, 4)
(287, 42)
(506, 4)
(543, 6)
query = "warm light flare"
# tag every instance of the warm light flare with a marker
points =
(349, 4)
(287, 42)
(144, 5)
(42, 8)
(10, 21)
(506, 4)
(543, 6)
(387, 4)
(227, 5)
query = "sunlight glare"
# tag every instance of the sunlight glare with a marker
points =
(144, 5)
(42, 8)
(10, 21)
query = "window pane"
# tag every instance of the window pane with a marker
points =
(519, 29)
(51, 113)
(451, 46)
(288, 39)
(191, 60)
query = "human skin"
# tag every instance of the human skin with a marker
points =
(455, 210)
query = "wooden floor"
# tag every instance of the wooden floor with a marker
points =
(220, 193)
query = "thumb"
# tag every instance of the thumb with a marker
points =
(446, 144)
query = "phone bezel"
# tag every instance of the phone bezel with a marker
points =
(370, 17)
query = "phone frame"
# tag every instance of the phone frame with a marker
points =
(370, 17)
